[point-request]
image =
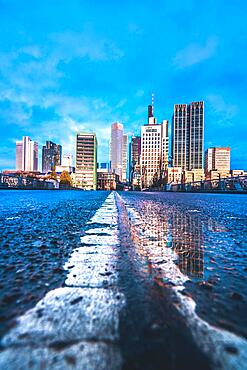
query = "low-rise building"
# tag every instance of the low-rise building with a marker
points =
(174, 175)
(235, 173)
(107, 180)
(217, 159)
(194, 175)
(69, 169)
(216, 175)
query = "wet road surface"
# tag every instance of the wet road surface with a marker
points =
(39, 230)
(130, 294)
(205, 236)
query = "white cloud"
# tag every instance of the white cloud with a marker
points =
(31, 78)
(195, 53)
(28, 80)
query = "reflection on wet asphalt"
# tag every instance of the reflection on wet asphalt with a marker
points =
(153, 336)
(165, 261)
(201, 242)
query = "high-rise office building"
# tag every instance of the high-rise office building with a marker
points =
(154, 150)
(188, 136)
(116, 149)
(135, 160)
(19, 145)
(86, 161)
(51, 156)
(217, 159)
(124, 157)
(27, 154)
(35, 155)
(136, 150)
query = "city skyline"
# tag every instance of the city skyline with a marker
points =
(81, 75)
(186, 128)
(107, 158)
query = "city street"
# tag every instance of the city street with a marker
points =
(125, 303)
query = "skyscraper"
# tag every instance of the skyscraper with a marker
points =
(51, 156)
(35, 155)
(134, 159)
(116, 149)
(154, 150)
(135, 150)
(27, 154)
(19, 145)
(124, 157)
(188, 135)
(86, 161)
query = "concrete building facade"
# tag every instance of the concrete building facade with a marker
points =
(107, 180)
(19, 146)
(154, 151)
(27, 154)
(86, 161)
(174, 175)
(217, 159)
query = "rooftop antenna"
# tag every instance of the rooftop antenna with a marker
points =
(153, 104)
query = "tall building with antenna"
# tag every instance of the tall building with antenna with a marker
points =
(154, 149)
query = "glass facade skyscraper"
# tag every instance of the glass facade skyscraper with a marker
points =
(51, 156)
(124, 157)
(188, 136)
(116, 149)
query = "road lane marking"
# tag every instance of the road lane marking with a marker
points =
(82, 318)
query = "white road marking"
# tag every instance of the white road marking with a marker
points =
(82, 319)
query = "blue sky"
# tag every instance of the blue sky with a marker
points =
(78, 65)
